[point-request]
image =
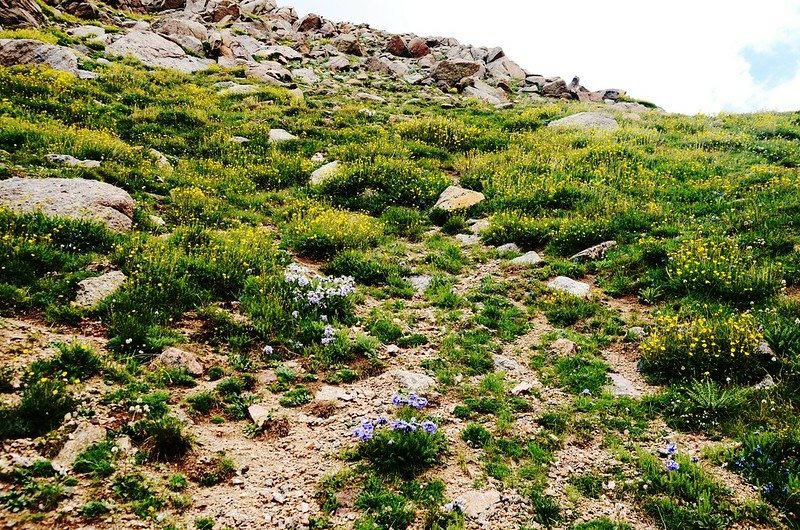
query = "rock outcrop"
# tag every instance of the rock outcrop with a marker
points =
(30, 51)
(20, 13)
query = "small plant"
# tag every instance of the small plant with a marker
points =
(384, 508)
(403, 446)
(564, 309)
(177, 482)
(546, 509)
(476, 435)
(94, 509)
(589, 485)
(215, 470)
(296, 397)
(203, 402)
(204, 523)
(97, 460)
(322, 234)
(604, 523)
(164, 439)
(703, 406)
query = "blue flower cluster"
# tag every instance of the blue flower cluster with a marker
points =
(366, 430)
(328, 335)
(413, 401)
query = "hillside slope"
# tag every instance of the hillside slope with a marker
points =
(306, 282)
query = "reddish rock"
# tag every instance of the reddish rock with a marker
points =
(310, 22)
(225, 10)
(397, 46)
(418, 47)
(20, 13)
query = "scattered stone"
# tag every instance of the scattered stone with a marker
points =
(72, 198)
(502, 362)
(479, 503)
(239, 140)
(468, 240)
(176, 358)
(161, 159)
(413, 381)
(259, 414)
(370, 97)
(568, 285)
(450, 72)
(556, 89)
(594, 253)
(279, 497)
(528, 259)
(85, 435)
(767, 382)
(29, 51)
(636, 333)
(418, 48)
(269, 72)
(71, 161)
(325, 172)
(332, 393)
(765, 349)
(92, 291)
(86, 32)
(522, 388)
(305, 75)
(508, 248)
(421, 282)
(349, 44)
(310, 22)
(587, 120)
(339, 63)
(457, 198)
(621, 387)
(280, 135)
(563, 348)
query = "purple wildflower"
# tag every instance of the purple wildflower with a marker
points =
(672, 465)
(672, 448)
(267, 350)
(417, 402)
(429, 427)
(328, 335)
(402, 426)
(586, 392)
(399, 400)
(365, 431)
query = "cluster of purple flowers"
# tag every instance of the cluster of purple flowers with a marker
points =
(328, 335)
(413, 401)
(455, 506)
(317, 291)
(366, 430)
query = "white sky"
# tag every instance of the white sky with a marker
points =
(684, 55)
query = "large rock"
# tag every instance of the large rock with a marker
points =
(72, 198)
(70, 161)
(622, 387)
(310, 22)
(181, 27)
(92, 291)
(556, 89)
(283, 54)
(154, 50)
(595, 252)
(587, 120)
(20, 13)
(258, 7)
(452, 71)
(457, 198)
(413, 381)
(418, 48)
(530, 258)
(568, 285)
(486, 92)
(180, 359)
(277, 136)
(79, 441)
(30, 51)
(478, 504)
(269, 72)
(349, 44)
(397, 46)
(324, 173)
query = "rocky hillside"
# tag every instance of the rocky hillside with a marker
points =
(276, 47)
(259, 271)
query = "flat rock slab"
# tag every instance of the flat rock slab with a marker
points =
(259, 414)
(420, 283)
(413, 381)
(479, 503)
(528, 259)
(71, 161)
(154, 50)
(280, 135)
(72, 198)
(324, 173)
(621, 387)
(178, 358)
(508, 248)
(30, 51)
(505, 363)
(84, 436)
(587, 120)
(457, 198)
(468, 240)
(92, 291)
(595, 252)
(332, 393)
(568, 285)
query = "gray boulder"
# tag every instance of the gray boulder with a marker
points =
(154, 50)
(568, 285)
(92, 291)
(180, 359)
(70, 161)
(587, 120)
(81, 439)
(595, 252)
(324, 173)
(528, 259)
(72, 198)
(280, 135)
(29, 51)
(269, 72)
(20, 13)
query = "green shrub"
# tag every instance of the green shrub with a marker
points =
(404, 222)
(446, 133)
(42, 407)
(546, 509)
(564, 309)
(94, 509)
(97, 460)
(476, 435)
(164, 439)
(384, 509)
(703, 406)
(296, 397)
(579, 373)
(365, 268)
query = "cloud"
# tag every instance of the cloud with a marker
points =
(686, 56)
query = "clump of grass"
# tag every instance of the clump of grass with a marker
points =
(97, 460)
(323, 233)
(165, 439)
(42, 407)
